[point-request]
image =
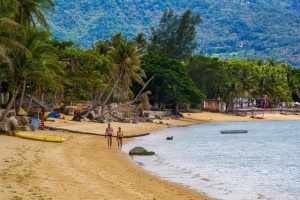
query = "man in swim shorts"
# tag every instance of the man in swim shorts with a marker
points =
(109, 131)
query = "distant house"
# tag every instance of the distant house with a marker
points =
(214, 105)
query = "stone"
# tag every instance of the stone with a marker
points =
(31, 127)
(23, 128)
(77, 118)
(13, 120)
(135, 120)
(23, 120)
(12, 113)
(9, 133)
(71, 111)
(142, 120)
(149, 120)
(140, 151)
(5, 126)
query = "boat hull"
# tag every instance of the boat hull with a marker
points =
(40, 137)
(256, 117)
(233, 131)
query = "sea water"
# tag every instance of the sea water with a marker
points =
(262, 164)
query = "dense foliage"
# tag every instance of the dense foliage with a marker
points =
(175, 35)
(171, 83)
(251, 78)
(229, 29)
(115, 69)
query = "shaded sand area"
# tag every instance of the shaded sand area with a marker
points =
(84, 168)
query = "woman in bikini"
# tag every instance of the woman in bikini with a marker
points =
(119, 138)
(109, 131)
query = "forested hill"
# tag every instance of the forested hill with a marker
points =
(230, 28)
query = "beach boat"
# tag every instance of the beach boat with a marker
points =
(40, 137)
(233, 131)
(257, 117)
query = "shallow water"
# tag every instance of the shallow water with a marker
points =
(262, 164)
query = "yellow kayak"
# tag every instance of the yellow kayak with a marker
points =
(40, 137)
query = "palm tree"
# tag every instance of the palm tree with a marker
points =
(8, 30)
(38, 67)
(5, 40)
(126, 57)
(127, 67)
(243, 72)
(230, 88)
(292, 83)
(102, 47)
(94, 73)
(32, 12)
(141, 41)
(271, 61)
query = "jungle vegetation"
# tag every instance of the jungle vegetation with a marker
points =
(115, 69)
(229, 28)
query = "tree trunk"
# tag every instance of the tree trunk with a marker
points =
(228, 106)
(29, 104)
(2, 98)
(22, 97)
(54, 101)
(7, 98)
(95, 101)
(110, 93)
(10, 103)
(176, 110)
(134, 100)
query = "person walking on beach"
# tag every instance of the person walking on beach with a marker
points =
(119, 138)
(109, 131)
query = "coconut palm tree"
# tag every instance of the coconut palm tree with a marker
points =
(127, 68)
(94, 73)
(230, 88)
(32, 12)
(9, 29)
(40, 66)
(126, 57)
(141, 41)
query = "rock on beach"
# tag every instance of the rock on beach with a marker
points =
(140, 151)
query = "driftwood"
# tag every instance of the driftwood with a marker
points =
(138, 135)
(90, 133)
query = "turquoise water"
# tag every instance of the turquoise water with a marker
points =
(262, 164)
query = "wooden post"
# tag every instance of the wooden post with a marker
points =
(43, 113)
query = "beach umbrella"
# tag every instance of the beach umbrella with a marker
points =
(51, 114)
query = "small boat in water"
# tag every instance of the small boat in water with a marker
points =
(233, 131)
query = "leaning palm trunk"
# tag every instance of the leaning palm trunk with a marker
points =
(7, 98)
(133, 101)
(12, 100)
(29, 104)
(229, 104)
(22, 97)
(110, 93)
(176, 109)
(2, 98)
(95, 102)
(54, 101)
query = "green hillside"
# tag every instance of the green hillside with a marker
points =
(230, 28)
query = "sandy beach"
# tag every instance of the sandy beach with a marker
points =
(84, 168)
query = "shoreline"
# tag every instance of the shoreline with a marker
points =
(84, 168)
